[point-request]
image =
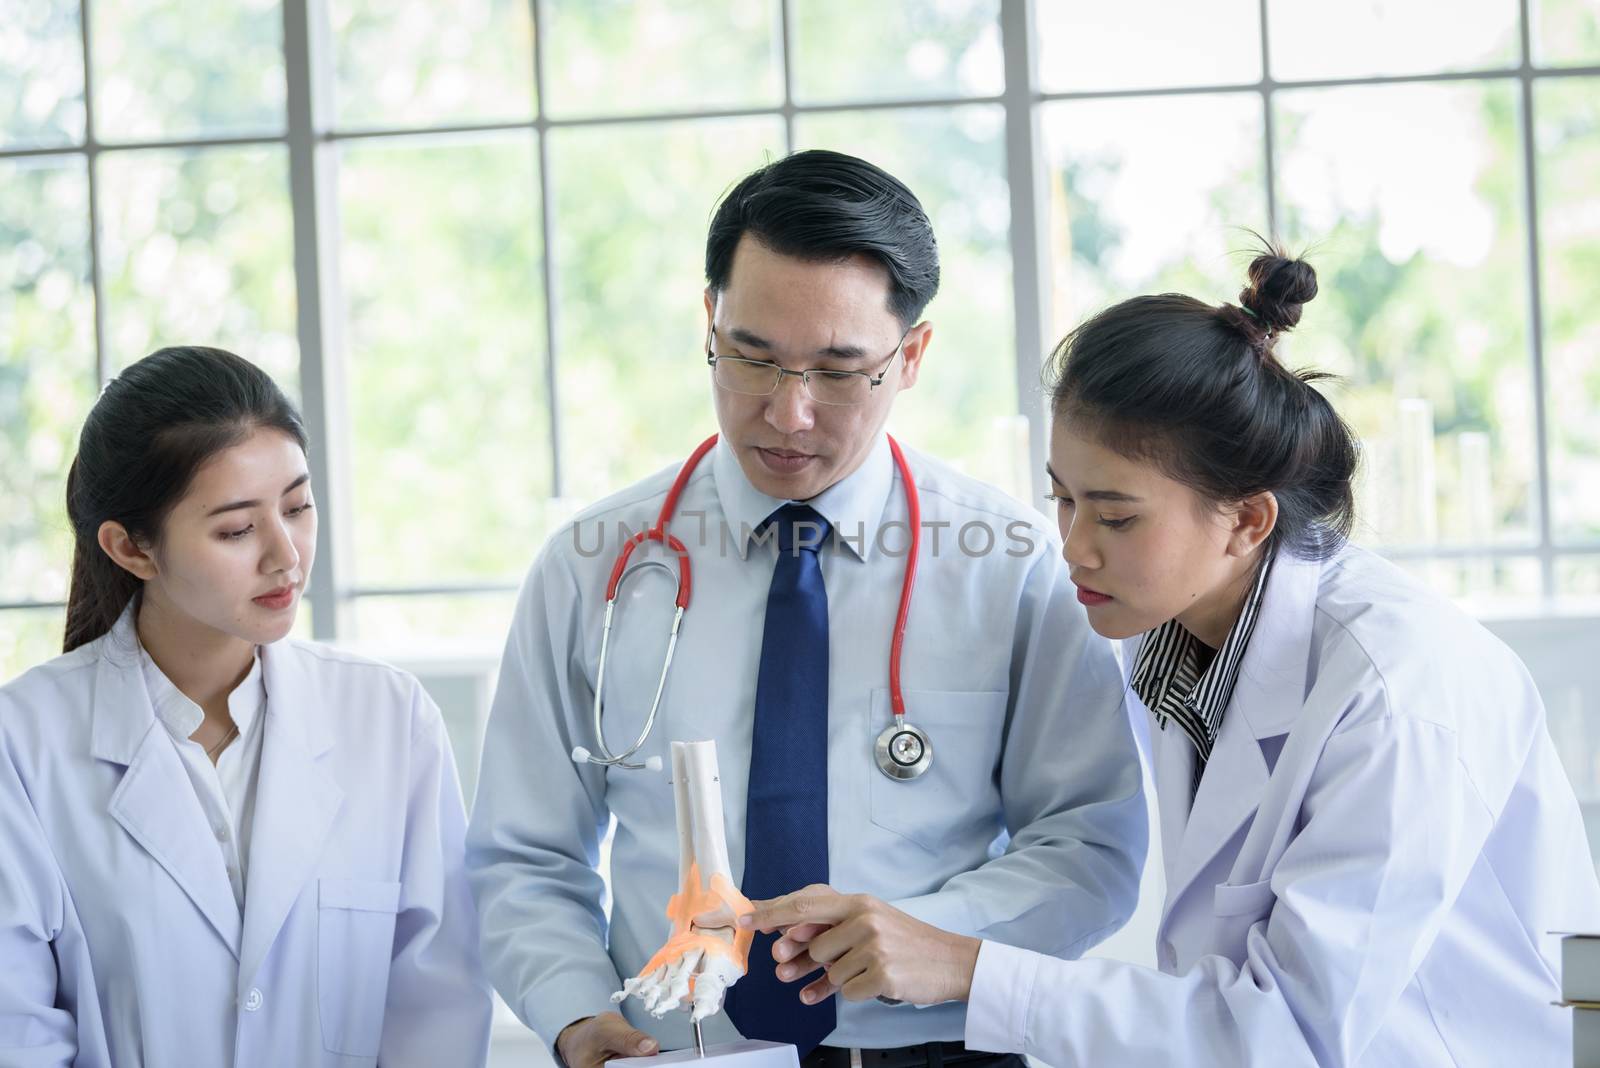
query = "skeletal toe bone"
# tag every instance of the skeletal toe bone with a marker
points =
(712, 984)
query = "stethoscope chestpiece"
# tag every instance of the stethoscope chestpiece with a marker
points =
(903, 751)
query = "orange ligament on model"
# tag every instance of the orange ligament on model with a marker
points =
(694, 899)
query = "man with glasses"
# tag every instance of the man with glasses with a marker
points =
(1028, 824)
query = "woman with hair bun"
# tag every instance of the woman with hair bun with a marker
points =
(220, 846)
(1367, 835)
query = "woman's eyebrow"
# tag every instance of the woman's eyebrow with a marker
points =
(234, 506)
(1114, 496)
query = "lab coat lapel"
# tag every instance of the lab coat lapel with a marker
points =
(155, 801)
(297, 802)
(1171, 760)
(1173, 773)
(1229, 792)
(1267, 695)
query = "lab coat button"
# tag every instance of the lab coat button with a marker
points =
(252, 1000)
(222, 833)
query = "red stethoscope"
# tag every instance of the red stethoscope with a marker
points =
(902, 751)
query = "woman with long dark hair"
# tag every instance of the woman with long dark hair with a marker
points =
(1367, 833)
(218, 845)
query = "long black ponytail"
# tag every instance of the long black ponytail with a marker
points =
(153, 427)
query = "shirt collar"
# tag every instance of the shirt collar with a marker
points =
(854, 505)
(182, 717)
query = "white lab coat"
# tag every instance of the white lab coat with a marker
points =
(1379, 847)
(121, 942)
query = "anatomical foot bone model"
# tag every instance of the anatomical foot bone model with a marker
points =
(697, 965)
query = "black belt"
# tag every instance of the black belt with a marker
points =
(922, 1055)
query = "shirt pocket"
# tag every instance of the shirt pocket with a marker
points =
(959, 790)
(1238, 908)
(355, 944)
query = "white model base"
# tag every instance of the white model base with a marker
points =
(746, 1053)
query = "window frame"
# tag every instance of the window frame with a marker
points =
(312, 141)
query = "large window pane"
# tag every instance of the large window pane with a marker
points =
(41, 74)
(964, 405)
(1147, 43)
(1566, 32)
(402, 65)
(610, 56)
(28, 637)
(1482, 585)
(187, 68)
(446, 358)
(1321, 40)
(1567, 117)
(1408, 196)
(47, 367)
(630, 254)
(1151, 196)
(1578, 578)
(896, 49)
(197, 250)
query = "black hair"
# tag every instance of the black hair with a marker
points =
(1198, 391)
(826, 206)
(152, 429)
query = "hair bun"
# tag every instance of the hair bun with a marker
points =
(1278, 287)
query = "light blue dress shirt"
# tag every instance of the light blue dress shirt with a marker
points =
(1029, 828)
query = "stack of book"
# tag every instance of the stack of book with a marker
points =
(1580, 989)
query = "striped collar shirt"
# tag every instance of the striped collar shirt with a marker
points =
(1175, 684)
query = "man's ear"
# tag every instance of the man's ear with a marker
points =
(1253, 521)
(918, 338)
(126, 552)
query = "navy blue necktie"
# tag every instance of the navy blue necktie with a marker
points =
(786, 811)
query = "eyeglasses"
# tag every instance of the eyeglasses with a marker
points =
(759, 378)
